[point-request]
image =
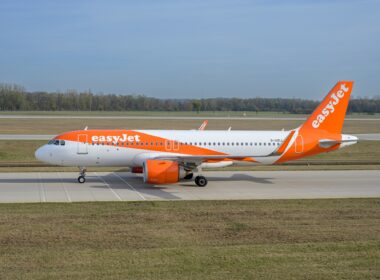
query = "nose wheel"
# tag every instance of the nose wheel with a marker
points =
(81, 179)
(201, 181)
(82, 175)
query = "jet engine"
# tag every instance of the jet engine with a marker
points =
(161, 171)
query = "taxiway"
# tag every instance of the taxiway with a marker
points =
(224, 185)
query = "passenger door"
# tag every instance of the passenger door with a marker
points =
(82, 145)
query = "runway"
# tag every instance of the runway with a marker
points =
(223, 185)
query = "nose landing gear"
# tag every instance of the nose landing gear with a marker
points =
(82, 175)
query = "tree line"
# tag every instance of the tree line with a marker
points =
(16, 98)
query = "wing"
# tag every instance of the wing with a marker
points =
(191, 162)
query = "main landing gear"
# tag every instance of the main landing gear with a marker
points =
(82, 175)
(201, 181)
(188, 176)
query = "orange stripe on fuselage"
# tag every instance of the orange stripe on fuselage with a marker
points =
(286, 143)
(145, 141)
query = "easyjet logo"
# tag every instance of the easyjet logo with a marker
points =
(330, 106)
(116, 138)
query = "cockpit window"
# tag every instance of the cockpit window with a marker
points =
(57, 142)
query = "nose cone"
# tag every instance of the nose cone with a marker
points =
(41, 154)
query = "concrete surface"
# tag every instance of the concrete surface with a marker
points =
(370, 137)
(105, 186)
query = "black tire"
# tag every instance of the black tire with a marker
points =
(81, 179)
(201, 181)
(189, 176)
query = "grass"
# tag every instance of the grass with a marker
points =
(18, 156)
(173, 113)
(56, 126)
(21, 151)
(267, 239)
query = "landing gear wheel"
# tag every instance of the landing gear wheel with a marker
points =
(81, 179)
(82, 174)
(201, 181)
(188, 176)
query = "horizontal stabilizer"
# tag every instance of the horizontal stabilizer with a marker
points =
(327, 143)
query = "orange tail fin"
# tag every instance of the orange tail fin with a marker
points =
(325, 123)
(329, 115)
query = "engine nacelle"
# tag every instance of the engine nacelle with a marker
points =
(161, 171)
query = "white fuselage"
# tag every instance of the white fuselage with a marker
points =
(258, 144)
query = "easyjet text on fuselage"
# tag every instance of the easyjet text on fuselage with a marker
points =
(116, 138)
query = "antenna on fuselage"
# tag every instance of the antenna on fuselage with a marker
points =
(86, 128)
(229, 129)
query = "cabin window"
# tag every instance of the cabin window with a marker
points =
(62, 143)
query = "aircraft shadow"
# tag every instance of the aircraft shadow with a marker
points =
(145, 189)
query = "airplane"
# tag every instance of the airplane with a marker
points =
(168, 156)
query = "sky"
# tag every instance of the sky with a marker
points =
(192, 49)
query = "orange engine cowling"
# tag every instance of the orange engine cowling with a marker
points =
(161, 171)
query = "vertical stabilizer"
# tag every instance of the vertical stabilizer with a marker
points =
(329, 115)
